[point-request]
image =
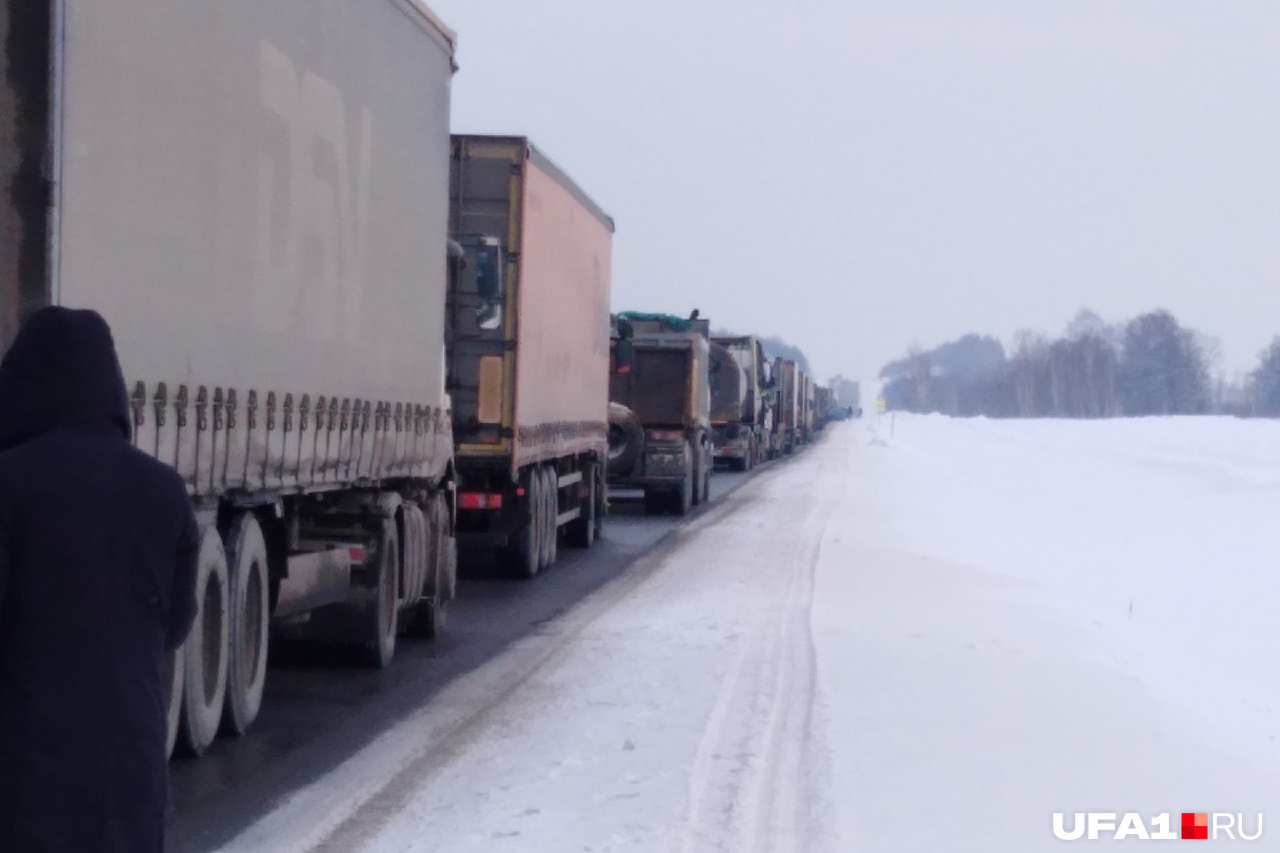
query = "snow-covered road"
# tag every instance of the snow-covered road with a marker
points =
(924, 641)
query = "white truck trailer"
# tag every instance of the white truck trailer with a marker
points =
(255, 195)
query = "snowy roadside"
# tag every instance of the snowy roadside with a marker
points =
(916, 642)
(980, 661)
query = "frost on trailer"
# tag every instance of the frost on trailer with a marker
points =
(248, 202)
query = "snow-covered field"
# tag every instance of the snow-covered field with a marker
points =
(926, 637)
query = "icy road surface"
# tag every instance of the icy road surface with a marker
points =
(928, 641)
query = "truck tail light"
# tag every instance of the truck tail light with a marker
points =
(479, 500)
(357, 554)
(668, 435)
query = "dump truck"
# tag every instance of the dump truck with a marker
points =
(740, 415)
(789, 379)
(528, 328)
(659, 383)
(244, 193)
(808, 408)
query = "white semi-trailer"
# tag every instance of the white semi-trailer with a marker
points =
(256, 197)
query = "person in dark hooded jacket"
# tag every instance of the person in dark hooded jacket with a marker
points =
(98, 550)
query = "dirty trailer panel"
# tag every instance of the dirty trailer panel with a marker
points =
(250, 205)
(248, 192)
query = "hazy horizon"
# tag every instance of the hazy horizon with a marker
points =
(854, 177)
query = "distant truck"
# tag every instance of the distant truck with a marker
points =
(808, 409)
(790, 418)
(660, 385)
(824, 406)
(258, 210)
(528, 326)
(740, 414)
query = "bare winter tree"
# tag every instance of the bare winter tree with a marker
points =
(1030, 358)
(1085, 365)
(1266, 381)
(1164, 369)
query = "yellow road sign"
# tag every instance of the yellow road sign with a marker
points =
(880, 405)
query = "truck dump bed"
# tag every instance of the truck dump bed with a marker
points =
(261, 218)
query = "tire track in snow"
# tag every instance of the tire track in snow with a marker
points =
(763, 714)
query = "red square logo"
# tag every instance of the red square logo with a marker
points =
(1195, 825)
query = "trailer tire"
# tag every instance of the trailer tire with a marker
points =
(548, 518)
(521, 556)
(205, 652)
(541, 477)
(602, 499)
(682, 500)
(384, 610)
(415, 549)
(442, 518)
(173, 684)
(581, 532)
(427, 618)
(697, 481)
(553, 515)
(248, 624)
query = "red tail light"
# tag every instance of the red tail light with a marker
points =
(357, 553)
(479, 500)
(669, 435)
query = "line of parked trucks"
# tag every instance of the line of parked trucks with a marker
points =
(361, 340)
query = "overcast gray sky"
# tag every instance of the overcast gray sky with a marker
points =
(855, 176)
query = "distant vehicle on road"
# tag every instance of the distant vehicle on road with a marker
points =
(659, 373)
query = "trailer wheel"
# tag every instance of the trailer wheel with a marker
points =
(443, 521)
(174, 681)
(249, 623)
(602, 499)
(548, 521)
(521, 556)
(553, 513)
(542, 517)
(427, 617)
(697, 481)
(385, 610)
(683, 498)
(205, 662)
(581, 532)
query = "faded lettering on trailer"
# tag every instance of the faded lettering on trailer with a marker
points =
(313, 205)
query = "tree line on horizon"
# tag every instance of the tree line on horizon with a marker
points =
(1149, 365)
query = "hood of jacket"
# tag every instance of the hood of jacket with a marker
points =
(61, 372)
